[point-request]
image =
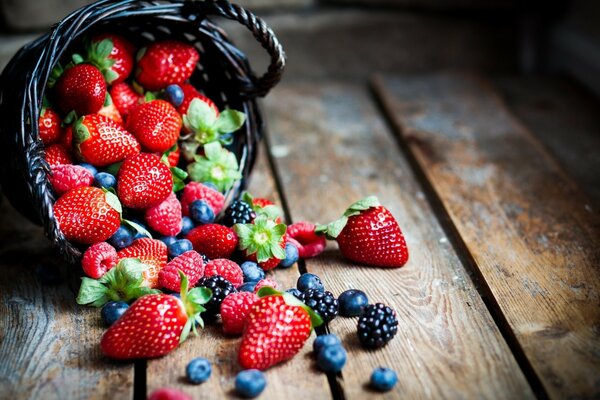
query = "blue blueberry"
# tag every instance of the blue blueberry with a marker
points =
(383, 379)
(309, 281)
(332, 358)
(186, 225)
(352, 303)
(168, 240)
(324, 341)
(198, 370)
(295, 292)
(201, 212)
(122, 238)
(247, 287)
(211, 185)
(112, 311)
(250, 383)
(252, 272)
(291, 256)
(174, 95)
(179, 247)
(105, 180)
(90, 168)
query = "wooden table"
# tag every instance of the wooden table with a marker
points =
(500, 297)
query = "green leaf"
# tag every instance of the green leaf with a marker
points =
(280, 230)
(104, 48)
(361, 205)
(200, 116)
(268, 291)
(315, 318)
(218, 166)
(149, 96)
(113, 201)
(71, 117)
(213, 151)
(77, 58)
(229, 121)
(179, 173)
(271, 211)
(277, 251)
(80, 132)
(113, 169)
(137, 227)
(333, 229)
(92, 292)
(200, 295)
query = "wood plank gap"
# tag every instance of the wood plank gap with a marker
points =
(140, 389)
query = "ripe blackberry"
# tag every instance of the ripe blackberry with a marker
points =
(220, 287)
(321, 302)
(377, 326)
(239, 212)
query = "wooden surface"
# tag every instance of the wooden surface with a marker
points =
(532, 235)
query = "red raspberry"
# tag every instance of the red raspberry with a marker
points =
(197, 191)
(98, 259)
(169, 394)
(266, 282)
(58, 154)
(190, 263)
(67, 176)
(309, 244)
(213, 240)
(227, 269)
(165, 218)
(234, 310)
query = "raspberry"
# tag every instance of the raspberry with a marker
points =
(190, 263)
(234, 310)
(98, 259)
(266, 282)
(168, 394)
(165, 218)
(67, 176)
(377, 326)
(227, 269)
(198, 191)
(309, 244)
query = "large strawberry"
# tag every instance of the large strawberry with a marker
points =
(49, 126)
(88, 215)
(101, 141)
(143, 181)
(262, 241)
(151, 252)
(111, 111)
(155, 124)
(164, 63)
(125, 98)
(113, 55)
(165, 218)
(155, 324)
(367, 233)
(276, 329)
(81, 88)
(213, 240)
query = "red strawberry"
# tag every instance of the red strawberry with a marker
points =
(263, 206)
(227, 269)
(155, 124)
(98, 259)
(81, 88)
(49, 126)
(262, 203)
(197, 191)
(264, 283)
(143, 181)
(57, 154)
(100, 141)
(125, 98)
(67, 176)
(262, 241)
(88, 215)
(190, 263)
(113, 55)
(234, 310)
(67, 139)
(369, 234)
(303, 235)
(110, 110)
(173, 156)
(190, 93)
(165, 63)
(165, 218)
(169, 394)
(151, 252)
(213, 240)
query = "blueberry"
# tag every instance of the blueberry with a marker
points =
(201, 212)
(174, 95)
(325, 341)
(89, 167)
(112, 311)
(198, 370)
(295, 292)
(105, 180)
(309, 281)
(383, 379)
(332, 358)
(186, 225)
(352, 303)
(250, 383)
(168, 240)
(179, 247)
(211, 186)
(252, 272)
(122, 238)
(247, 287)
(291, 256)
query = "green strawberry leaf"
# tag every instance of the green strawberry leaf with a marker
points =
(361, 205)
(80, 132)
(263, 237)
(179, 177)
(137, 227)
(200, 116)
(218, 166)
(229, 121)
(57, 71)
(193, 301)
(271, 211)
(149, 96)
(92, 292)
(113, 169)
(70, 118)
(110, 75)
(113, 201)
(333, 229)
(77, 58)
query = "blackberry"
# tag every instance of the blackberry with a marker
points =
(377, 326)
(220, 287)
(321, 302)
(239, 212)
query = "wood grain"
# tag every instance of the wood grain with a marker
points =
(295, 379)
(48, 345)
(534, 237)
(331, 148)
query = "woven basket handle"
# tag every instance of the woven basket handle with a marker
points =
(265, 37)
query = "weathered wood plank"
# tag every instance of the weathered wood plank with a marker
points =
(332, 148)
(533, 236)
(295, 379)
(48, 345)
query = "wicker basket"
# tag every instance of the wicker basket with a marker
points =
(224, 75)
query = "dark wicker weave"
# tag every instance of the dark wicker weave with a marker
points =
(224, 75)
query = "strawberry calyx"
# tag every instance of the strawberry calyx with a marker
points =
(271, 211)
(333, 229)
(262, 237)
(218, 166)
(98, 54)
(193, 300)
(291, 300)
(207, 125)
(179, 176)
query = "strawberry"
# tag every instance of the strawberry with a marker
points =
(213, 240)
(152, 253)
(81, 88)
(173, 156)
(227, 269)
(267, 282)
(67, 139)
(125, 98)
(49, 126)
(113, 55)
(302, 235)
(276, 328)
(100, 141)
(67, 176)
(88, 214)
(155, 324)
(367, 233)
(143, 181)
(197, 191)
(110, 110)
(57, 154)
(262, 241)
(155, 124)
(98, 259)
(190, 263)
(165, 217)
(190, 93)
(234, 310)
(164, 63)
